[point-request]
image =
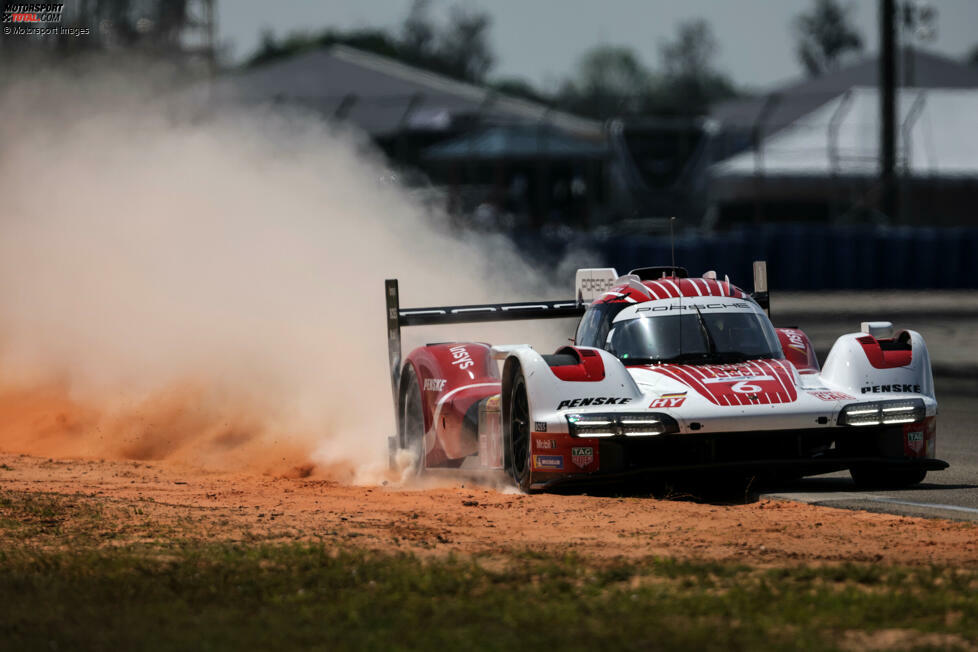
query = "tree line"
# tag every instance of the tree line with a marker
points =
(608, 80)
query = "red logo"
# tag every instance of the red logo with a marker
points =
(669, 400)
(830, 396)
(915, 440)
(23, 18)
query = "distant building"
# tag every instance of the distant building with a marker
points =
(486, 147)
(810, 151)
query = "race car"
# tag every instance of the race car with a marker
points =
(666, 374)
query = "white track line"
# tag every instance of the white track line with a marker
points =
(812, 497)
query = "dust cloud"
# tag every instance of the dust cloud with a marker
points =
(207, 287)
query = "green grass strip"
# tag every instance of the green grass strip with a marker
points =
(302, 596)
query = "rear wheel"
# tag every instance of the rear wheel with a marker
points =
(411, 427)
(518, 432)
(877, 476)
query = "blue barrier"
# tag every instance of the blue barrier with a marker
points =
(800, 256)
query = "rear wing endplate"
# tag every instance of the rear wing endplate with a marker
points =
(591, 283)
(398, 317)
(760, 293)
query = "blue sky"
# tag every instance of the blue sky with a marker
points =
(541, 40)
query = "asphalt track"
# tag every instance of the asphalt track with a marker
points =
(952, 493)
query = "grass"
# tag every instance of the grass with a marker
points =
(179, 594)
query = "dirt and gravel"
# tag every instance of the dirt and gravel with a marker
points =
(143, 502)
(140, 471)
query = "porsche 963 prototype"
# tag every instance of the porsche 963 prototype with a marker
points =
(667, 373)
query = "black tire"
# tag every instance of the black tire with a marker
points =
(518, 432)
(411, 420)
(873, 476)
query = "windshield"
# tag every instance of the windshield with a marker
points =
(694, 337)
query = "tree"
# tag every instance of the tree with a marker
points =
(610, 81)
(463, 46)
(459, 49)
(691, 54)
(417, 31)
(689, 82)
(825, 36)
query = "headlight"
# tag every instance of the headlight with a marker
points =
(626, 425)
(883, 413)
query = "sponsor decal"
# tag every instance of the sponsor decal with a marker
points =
(734, 378)
(829, 395)
(462, 358)
(582, 456)
(919, 438)
(741, 384)
(876, 389)
(546, 443)
(673, 400)
(796, 339)
(596, 284)
(915, 440)
(598, 400)
(549, 462)
(434, 384)
(540, 426)
(691, 306)
(734, 384)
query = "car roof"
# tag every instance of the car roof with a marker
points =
(671, 287)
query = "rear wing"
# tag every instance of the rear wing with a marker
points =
(398, 317)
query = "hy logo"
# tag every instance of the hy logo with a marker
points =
(673, 400)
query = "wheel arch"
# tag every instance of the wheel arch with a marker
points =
(848, 366)
(448, 365)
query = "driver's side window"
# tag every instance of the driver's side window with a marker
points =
(594, 326)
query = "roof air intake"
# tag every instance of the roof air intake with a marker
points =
(654, 273)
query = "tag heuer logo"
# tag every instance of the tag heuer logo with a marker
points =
(915, 440)
(582, 456)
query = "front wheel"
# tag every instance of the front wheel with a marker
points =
(518, 431)
(876, 476)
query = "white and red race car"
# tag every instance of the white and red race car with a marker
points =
(667, 374)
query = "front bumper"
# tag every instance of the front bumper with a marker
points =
(799, 452)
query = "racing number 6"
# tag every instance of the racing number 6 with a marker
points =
(743, 387)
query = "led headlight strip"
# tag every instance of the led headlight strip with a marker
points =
(883, 413)
(621, 425)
